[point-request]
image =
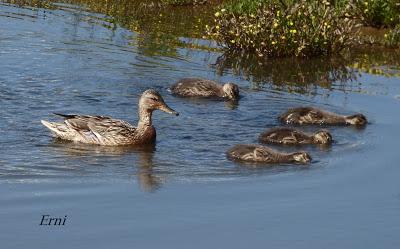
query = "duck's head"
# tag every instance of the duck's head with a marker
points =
(322, 137)
(151, 100)
(357, 119)
(231, 91)
(301, 157)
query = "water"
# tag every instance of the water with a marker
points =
(183, 192)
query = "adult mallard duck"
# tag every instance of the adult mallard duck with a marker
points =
(103, 130)
(262, 154)
(196, 87)
(293, 136)
(311, 115)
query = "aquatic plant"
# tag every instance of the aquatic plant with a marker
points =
(377, 13)
(184, 2)
(392, 38)
(273, 28)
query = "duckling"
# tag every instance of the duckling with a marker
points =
(102, 130)
(311, 115)
(293, 136)
(196, 87)
(262, 154)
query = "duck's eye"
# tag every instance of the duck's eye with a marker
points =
(153, 98)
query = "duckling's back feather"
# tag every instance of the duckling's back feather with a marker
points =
(285, 136)
(190, 87)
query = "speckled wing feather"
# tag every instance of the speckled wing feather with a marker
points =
(100, 129)
(313, 116)
(263, 155)
(195, 87)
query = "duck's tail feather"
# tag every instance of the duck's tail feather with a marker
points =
(64, 115)
(58, 129)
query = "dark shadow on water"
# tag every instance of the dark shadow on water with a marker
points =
(289, 74)
(229, 104)
(148, 180)
(307, 75)
(267, 168)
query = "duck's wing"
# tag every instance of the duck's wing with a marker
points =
(309, 115)
(101, 129)
(261, 154)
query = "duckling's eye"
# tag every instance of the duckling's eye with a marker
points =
(153, 98)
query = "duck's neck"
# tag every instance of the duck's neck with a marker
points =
(221, 93)
(144, 117)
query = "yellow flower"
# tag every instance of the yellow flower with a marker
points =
(217, 14)
(293, 31)
(386, 35)
(223, 10)
(232, 41)
(283, 37)
(217, 27)
(291, 23)
(273, 42)
(275, 25)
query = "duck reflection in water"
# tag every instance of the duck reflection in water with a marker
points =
(147, 178)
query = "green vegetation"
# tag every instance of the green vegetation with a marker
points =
(377, 13)
(275, 29)
(392, 38)
(183, 2)
(265, 28)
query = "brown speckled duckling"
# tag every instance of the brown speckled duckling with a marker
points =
(293, 136)
(311, 115)
(103, 130)
(196, 87)
(262, 154)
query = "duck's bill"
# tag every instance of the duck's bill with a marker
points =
(167, 109)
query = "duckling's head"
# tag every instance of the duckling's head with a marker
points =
(301, 157)
(322, 137)
(151, 100)
(231, 91)
(357, 119)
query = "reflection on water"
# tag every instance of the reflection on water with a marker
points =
(158, 26)
(68, 59)
(384, 62)
(142, 162)
(307, 75)
(87, 63)
(290, 74)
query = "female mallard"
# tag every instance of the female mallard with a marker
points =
(293, 136)
(311, 115)
(195, 87)
(103, 130)
(262, 154)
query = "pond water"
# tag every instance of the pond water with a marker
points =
(183, 192)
